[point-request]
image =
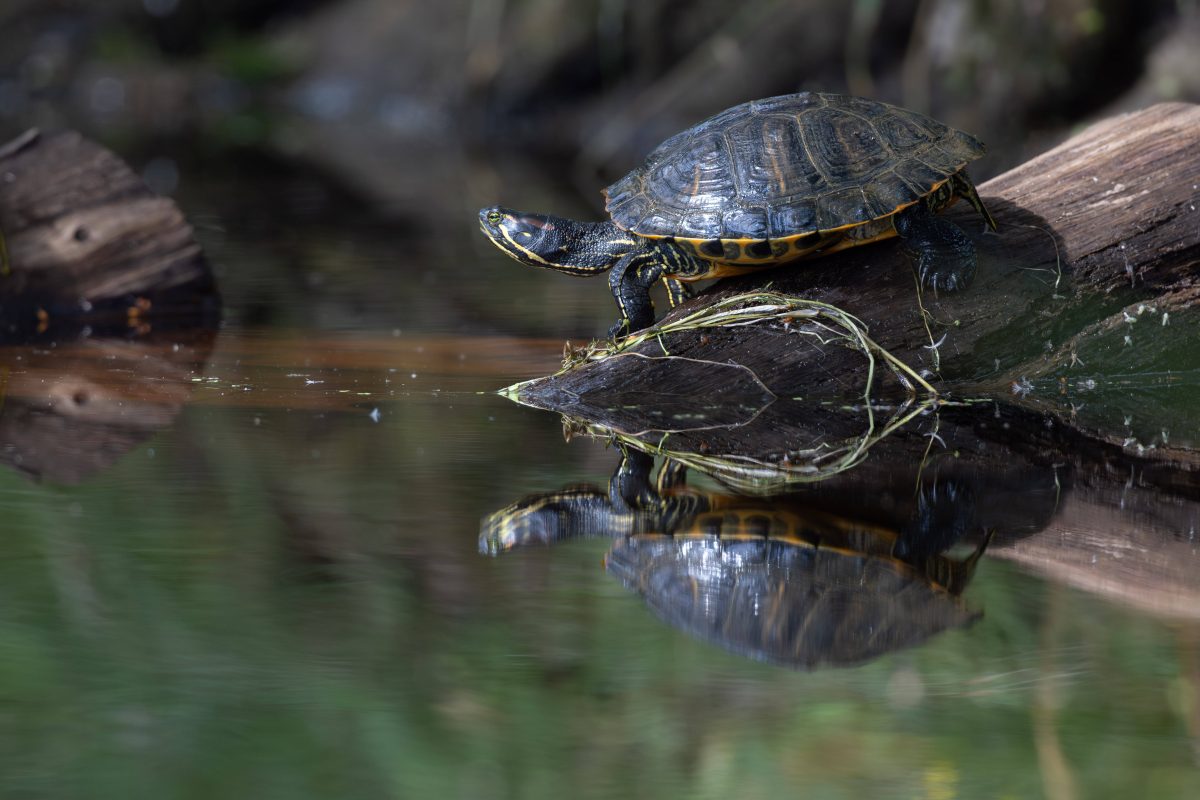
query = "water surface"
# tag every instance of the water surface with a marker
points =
(248, 564)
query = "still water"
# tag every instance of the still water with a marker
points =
(248, 564)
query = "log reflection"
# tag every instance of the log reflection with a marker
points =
(73, 409)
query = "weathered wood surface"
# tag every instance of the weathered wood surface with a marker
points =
(85, 236)
(1095, 266)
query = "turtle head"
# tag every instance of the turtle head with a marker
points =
(519, 525)
(576, 248)
(542, 519)
(532, 521)
(533, 239)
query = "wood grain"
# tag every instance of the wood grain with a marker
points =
(85, 234)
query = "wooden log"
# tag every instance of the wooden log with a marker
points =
(87, 240)
(1093, 275)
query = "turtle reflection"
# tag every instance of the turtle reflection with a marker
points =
(767, 578)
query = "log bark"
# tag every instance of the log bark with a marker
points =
(88, 242)
(1092, 278)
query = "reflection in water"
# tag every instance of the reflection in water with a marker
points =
(784, 444)
(72, 409)
(287, 566)
(772, 579)
(1111, 520)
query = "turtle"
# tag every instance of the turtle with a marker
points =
(771, 579)
(760, 184)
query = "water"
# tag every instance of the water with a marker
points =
(250, 566)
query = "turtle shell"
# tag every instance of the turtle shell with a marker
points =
(802, 599)
(778, 178)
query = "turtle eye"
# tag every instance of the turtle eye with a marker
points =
(494, 217)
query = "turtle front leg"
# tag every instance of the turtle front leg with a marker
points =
(630, 281)
(630, 489)
(945, 256)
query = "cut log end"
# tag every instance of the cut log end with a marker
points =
(84, 237)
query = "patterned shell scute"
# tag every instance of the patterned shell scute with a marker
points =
(788, 166)
(695, 177)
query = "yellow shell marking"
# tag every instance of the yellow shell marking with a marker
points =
(829, 240)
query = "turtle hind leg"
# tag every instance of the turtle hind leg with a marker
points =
(945, 256)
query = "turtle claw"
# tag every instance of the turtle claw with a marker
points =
(946, 273)
(619, 329)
